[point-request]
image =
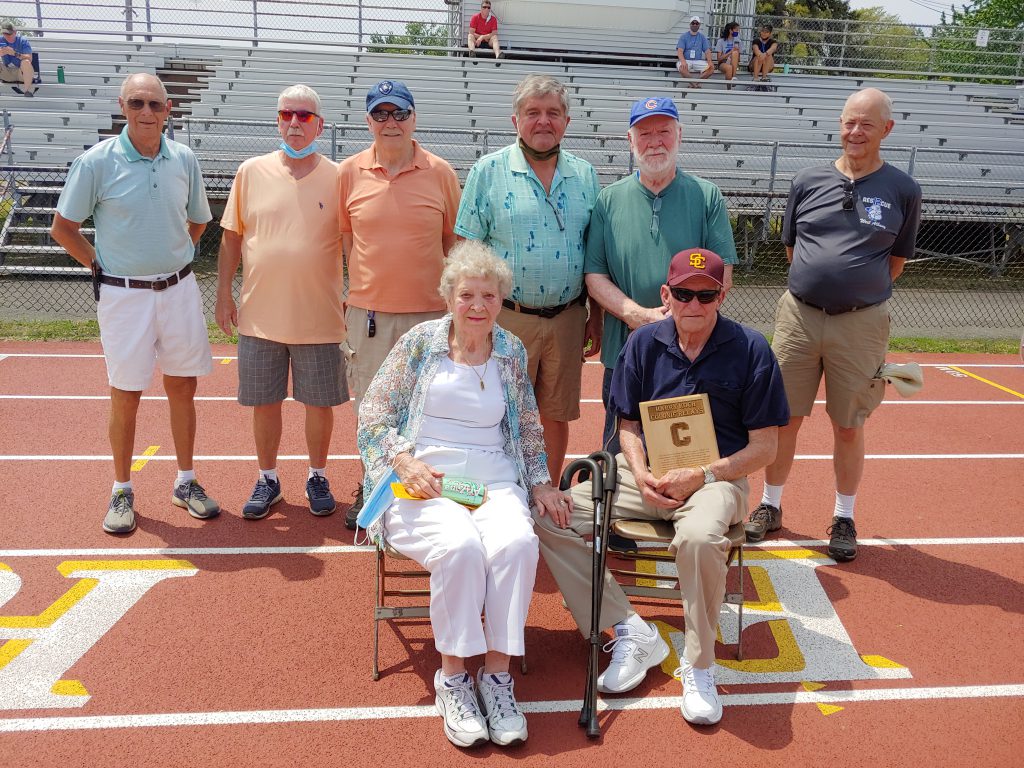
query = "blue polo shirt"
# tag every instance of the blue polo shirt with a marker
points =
(141, 206)
(736, 369)
(693, 46)
(20, 46)
(540, 234)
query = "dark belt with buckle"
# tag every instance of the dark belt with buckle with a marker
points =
(546, 312)
(152, 285)
(834, 310)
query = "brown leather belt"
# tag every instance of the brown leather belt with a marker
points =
(547, 312)
(152, 285)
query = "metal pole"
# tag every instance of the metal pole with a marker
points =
(39, 16)
(149, 23)
(912, 162)
(128, 22)
(334, 142)
(255, 23)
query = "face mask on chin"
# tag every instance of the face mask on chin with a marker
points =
(298, 154)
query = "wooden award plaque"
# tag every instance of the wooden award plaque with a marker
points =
(679, 433)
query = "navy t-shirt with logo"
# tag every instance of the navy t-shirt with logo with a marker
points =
(841, 258)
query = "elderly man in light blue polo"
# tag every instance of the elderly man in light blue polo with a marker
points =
(148, 202)
(531, 202)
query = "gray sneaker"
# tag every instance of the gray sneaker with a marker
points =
(192, 497)
(265, 494)
(764, 519)
(121, 512)
(456, 702)
(505, 720)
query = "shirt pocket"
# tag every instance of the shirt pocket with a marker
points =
(726, 397)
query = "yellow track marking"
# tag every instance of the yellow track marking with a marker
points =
(69, 688)
(880, 662)
(986, 381)
(139, 464)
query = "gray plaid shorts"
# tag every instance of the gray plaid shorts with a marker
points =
(318, 372)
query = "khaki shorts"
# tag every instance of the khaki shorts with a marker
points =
(11, 75)
(365, 355)
(848, 348)
(554, 349)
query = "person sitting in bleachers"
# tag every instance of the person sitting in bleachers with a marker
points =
(483, 29)
(17, 59)
(762, 54)
(727, 50)
(694, 52)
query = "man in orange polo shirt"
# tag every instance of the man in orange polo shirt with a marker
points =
(397, 218)
(281, 222)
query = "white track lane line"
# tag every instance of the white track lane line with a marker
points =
(342, 714)
(348, 549)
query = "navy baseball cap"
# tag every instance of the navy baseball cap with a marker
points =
(389, 92)
(655, 105)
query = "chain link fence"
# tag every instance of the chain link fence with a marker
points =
(965, 280)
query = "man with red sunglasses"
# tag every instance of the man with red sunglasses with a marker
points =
(693, 350)
(281, 223)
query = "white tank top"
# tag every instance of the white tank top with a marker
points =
(458, 413)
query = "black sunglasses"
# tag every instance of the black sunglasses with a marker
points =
(382, 115)
(137, 105)
(685, 295)
(848, 188)
(303, 115)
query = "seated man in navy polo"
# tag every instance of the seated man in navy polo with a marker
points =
(693, 350)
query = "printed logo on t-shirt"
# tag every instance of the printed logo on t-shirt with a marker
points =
(874, 210)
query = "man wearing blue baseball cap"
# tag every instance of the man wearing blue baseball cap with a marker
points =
(397, 221)
(639, 223)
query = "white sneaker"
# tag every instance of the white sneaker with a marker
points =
(632, 655)
(505, 721)
(701, 704)
(456, 702)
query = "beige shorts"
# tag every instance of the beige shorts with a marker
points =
(10, 74)
(848, 348)
(365, 354)
(554, 349)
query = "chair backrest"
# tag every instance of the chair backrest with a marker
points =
(37, 78)
(663, 531)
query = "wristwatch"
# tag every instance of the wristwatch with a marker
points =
(709, 476)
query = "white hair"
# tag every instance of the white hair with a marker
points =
(302, 93)
(472, 258)
(539, 86)
(142, 76)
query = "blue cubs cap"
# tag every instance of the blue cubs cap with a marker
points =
(389, 92)
(656, 105)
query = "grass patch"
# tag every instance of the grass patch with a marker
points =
(76, 330)
(959, 346)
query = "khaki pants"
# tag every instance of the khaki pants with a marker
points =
(700, 546)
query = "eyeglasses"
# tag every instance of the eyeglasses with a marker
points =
(137, 105)
(558, 215)
(302, 115)
(382, 115)
(848, 188)
(655, 221)
(685, 295)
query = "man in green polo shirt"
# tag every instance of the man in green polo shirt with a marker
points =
(638, 225)
(147, 199)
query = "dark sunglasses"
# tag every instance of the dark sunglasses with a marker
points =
(685, 295)
(137, 105)
(302, 115)
(848, 188)
(382, 115)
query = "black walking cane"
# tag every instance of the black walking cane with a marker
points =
(601, 491)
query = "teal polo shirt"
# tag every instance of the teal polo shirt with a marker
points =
(621, 244)
(141, 206)
(541, 235)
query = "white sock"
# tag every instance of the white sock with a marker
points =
(634, 622)
(268, 474)
(772, 494)
(121, 486)
(185, 476)
(314, 471)
(844, 505)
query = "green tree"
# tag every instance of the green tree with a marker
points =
(1004, 14)
(883, 42)
(956, 51)
(416, 33)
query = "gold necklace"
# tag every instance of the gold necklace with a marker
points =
(473, 369)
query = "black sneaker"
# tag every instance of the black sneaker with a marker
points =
(318, 491)
(764, 519)
(618, 543)
(354, 509)
(265, 494)
(843, 544)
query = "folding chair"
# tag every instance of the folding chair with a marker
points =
(662, 532)
(402, 569)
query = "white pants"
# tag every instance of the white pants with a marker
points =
(482, 560)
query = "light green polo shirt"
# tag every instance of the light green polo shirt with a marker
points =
(141, 206)
(621, 244)
(541, 235)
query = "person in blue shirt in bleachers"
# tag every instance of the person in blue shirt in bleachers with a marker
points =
(694, 52)
(17, 59)
(727, 50)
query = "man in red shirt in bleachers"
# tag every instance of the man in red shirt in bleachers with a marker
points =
(483, 28)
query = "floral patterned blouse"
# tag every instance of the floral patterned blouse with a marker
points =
(392, 409)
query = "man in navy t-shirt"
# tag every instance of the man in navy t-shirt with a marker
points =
(17, 59)
(693, 350)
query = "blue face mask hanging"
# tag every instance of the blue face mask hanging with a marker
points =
(298, 154)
